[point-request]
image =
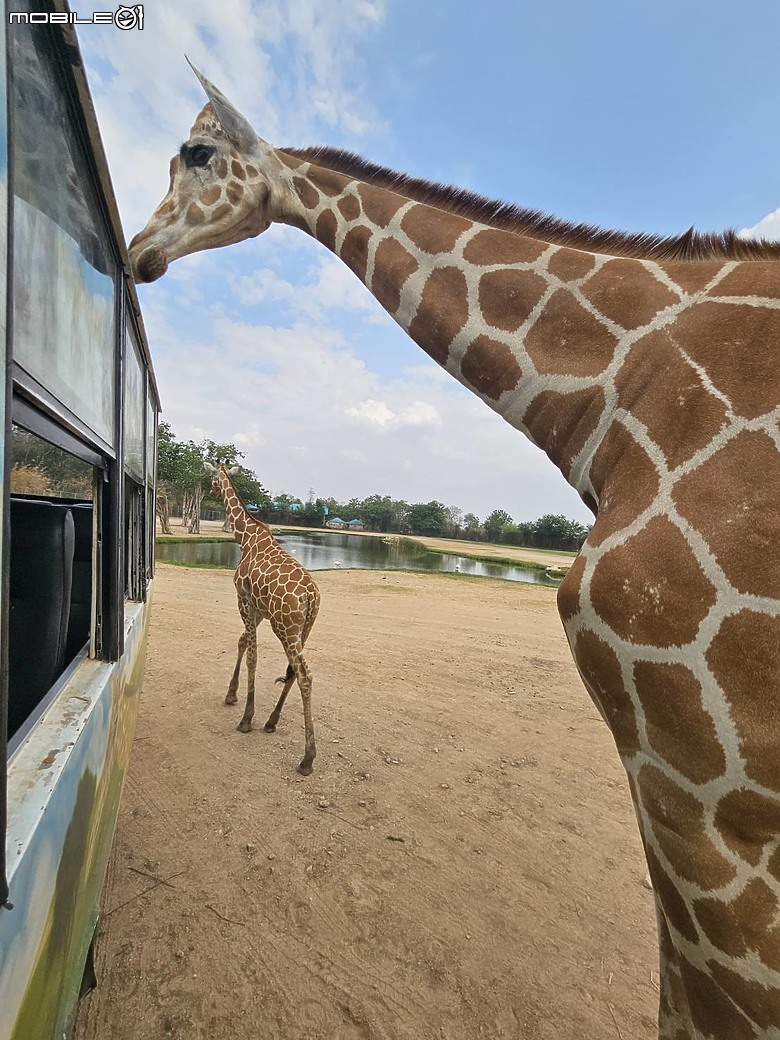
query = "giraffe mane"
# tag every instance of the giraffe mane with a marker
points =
(691, 245)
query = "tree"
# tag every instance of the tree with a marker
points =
(287, 509)
(454, 521)
(163, 509)
(495, 522)
(380, 513)
(555, 531)
(472, 526)
(313, 513)
(58, 472)
(179, 470)
(427, 518)
(182, 477)
(29, 480)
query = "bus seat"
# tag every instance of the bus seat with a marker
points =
(41, 572)
(81, 588)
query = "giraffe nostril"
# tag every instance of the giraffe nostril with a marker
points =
(150, 265)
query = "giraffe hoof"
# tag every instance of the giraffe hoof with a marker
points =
(270, 727)
(244, 726)
(231, 700)
(305, 768)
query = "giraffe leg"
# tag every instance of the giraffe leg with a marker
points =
(303, 677)
(232, 694)
(673, 1010)
(245, 725)
(288, 679)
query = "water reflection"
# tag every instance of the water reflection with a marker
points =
(318, 551)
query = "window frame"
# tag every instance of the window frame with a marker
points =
(36, 408)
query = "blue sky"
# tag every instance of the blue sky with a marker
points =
(646, 116)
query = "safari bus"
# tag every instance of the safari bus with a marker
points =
(78, 422)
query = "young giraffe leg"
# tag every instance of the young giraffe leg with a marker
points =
(232, 694)
(245, 725)
(273, 719)
(303, 677)
(305, 623)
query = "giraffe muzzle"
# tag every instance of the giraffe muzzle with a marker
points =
(150, 265)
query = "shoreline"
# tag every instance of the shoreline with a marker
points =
(482, 552)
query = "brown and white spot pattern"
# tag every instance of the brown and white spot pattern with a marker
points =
(655, 385)
(270, 584)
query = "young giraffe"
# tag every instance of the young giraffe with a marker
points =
(649, 372)
(269, 584)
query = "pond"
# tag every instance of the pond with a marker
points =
(319, 551)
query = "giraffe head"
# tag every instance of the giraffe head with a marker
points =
(220, 190)
(219, 475)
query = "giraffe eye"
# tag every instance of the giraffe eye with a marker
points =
(199, 155)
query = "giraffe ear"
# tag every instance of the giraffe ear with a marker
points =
(209, 468)
(237, 127)
(233, 470)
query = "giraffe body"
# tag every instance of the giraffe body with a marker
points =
(269, 584)
(648, 369)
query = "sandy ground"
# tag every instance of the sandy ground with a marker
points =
(463, 862)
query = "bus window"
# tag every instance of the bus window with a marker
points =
(64, 271)
(151, 469)
(135, 573)
(135, 415)
(52, 520)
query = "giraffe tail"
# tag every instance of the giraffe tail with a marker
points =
(287, 675)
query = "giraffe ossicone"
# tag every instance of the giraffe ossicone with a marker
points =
(269, 584)
(648, 370)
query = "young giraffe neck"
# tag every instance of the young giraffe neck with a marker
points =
(540, 332)
(243, 523)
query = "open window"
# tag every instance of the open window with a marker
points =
(54, 569)
(135, 462)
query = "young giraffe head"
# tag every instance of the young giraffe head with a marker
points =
(219, 191)
(217, 479)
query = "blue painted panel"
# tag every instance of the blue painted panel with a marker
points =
(65, 782)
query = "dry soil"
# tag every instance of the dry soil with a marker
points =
(463, 863)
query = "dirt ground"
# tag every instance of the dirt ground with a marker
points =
(463, 862)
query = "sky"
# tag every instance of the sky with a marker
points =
(649, 115)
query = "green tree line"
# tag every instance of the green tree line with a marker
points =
(184, 486)
(185, 491)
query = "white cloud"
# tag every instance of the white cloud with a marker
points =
(327, 286)
(146, 96)
(292, 392)
(264, 286)
(307, 412)
(420, 413)
(378, 415)
(337, 286)
(374, 413)
(767, 227)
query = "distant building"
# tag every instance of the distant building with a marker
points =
(345, 525)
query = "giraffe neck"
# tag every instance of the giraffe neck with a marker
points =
(242, 522)
(537, 330)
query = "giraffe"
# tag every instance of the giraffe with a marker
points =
(269, 584)
(647, 369)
